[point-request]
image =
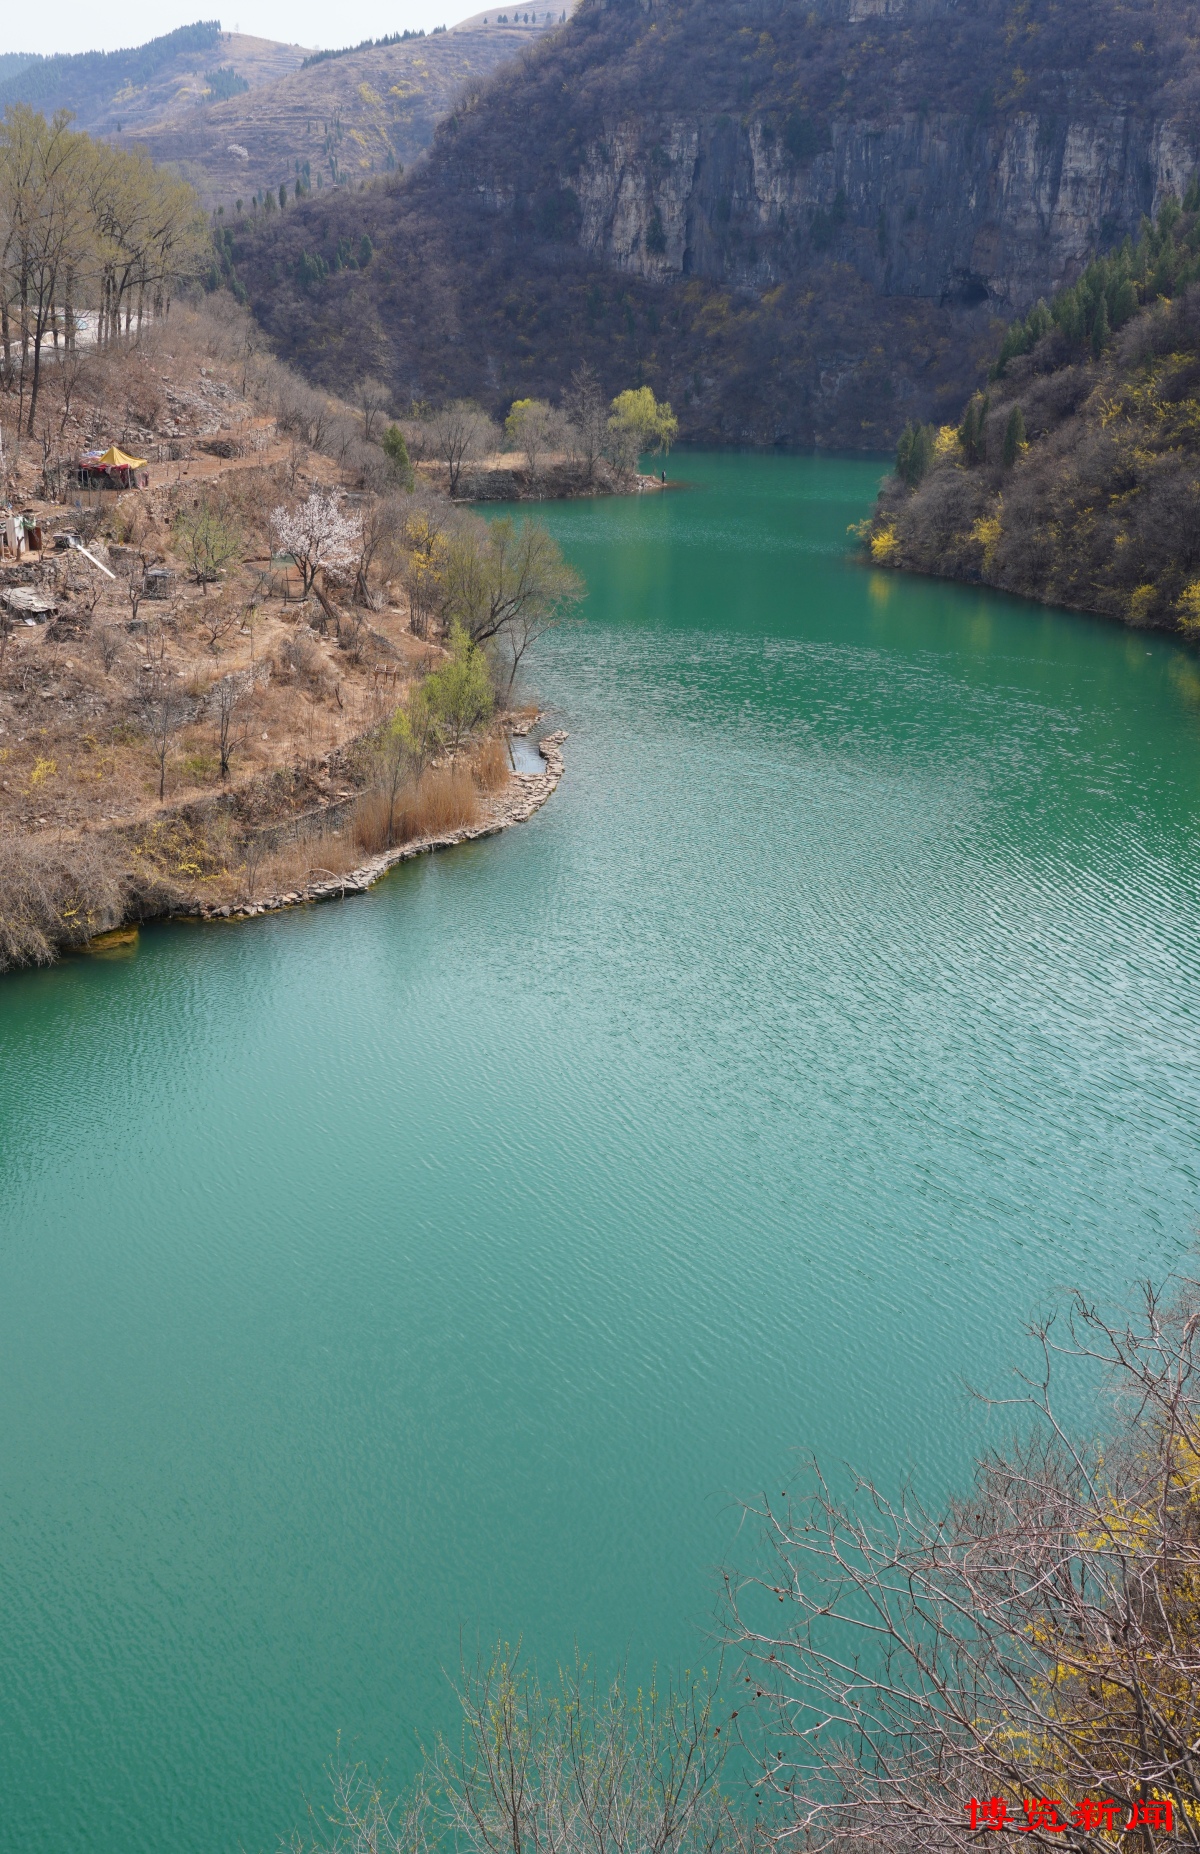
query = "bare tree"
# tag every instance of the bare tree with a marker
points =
(87, 590)
(586, 411)
(373, 399)
(254, 850)
(70, 370)
(581, 1769)
(108, 643)
(1026, 1659)
(163, 708)
(522, 630)
(297, 457)
(216, 622)
(381, 539)
(228, 702)
(458, 434)
(135, 583)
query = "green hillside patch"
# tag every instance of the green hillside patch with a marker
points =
(1075, 477)
(75, 78)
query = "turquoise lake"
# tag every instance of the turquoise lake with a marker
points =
(449, 1263)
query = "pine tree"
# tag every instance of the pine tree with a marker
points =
(1100, 328)
(1014, 437)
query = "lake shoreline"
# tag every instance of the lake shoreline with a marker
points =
(524, 795)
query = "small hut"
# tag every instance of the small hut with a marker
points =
(19, 534)
(112, 469)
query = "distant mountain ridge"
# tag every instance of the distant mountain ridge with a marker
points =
(12, 62)
(120, 92)
(800, 222)
(74, 80)
(238, 115)
(342, 118)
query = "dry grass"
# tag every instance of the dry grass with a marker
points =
(56, 896)
(490, 765)
(298, 864)
(371, 823)
(445, 798)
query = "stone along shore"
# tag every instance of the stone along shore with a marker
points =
(524, 794)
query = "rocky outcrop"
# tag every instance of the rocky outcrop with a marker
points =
(930, 206)
(801, 223)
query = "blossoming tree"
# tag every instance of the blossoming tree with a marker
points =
(316, 535)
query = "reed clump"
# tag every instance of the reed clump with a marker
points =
(489, 766)
(444, 798)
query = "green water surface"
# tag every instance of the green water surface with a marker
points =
(450, 1262)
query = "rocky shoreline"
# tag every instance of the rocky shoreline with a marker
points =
(524, 794)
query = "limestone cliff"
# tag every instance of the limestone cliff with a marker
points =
(801, 222)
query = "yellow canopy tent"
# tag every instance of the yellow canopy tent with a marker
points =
(115, 459)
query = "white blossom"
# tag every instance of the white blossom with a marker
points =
(316, 534)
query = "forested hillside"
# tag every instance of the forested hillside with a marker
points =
(801, 224)
(108, 92)
(1073, 477)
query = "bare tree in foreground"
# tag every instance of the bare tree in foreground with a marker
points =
(581, 1769)
(1027, 1660)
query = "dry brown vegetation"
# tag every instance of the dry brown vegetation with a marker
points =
(216, 744)
(1032, 1647)
(444, 798)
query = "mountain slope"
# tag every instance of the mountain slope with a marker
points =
(116, 91)
(1074, 480)
(349, 115)
(799, 222)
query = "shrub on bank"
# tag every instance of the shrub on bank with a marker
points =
(1073, 479)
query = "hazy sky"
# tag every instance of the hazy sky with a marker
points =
(79, 25)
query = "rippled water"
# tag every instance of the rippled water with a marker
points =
(449, 1261)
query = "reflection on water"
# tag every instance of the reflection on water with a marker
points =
(447, 1262)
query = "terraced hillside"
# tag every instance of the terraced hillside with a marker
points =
(365, 112)
(124, 92)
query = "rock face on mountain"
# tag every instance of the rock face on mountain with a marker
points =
(800, 222)
(928, 205)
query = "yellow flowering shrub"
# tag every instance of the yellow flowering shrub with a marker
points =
(986, 532)
(1189, 607)
(884, 545)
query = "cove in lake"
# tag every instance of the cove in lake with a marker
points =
(450, 1261)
